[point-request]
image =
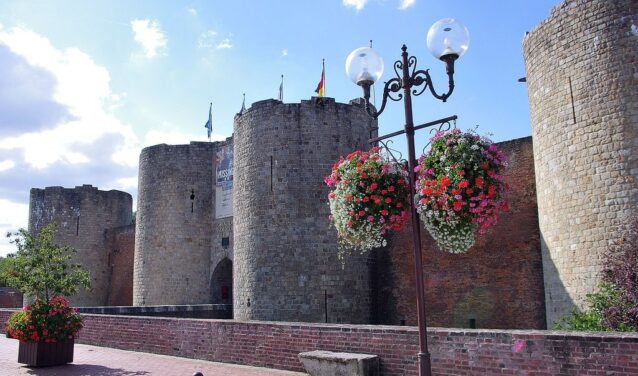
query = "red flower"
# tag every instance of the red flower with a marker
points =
(445, 181)
(464, 184)
(373, 186)
(457, 205)
(383, 212)
(388, 200)
(478, 182)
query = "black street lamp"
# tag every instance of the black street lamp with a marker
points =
(447, 40)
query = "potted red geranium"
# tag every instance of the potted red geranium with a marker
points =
(42, 270)
(368, 199)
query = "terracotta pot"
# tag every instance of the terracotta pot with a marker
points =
(42, 354)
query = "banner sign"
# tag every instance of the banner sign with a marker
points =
(224, 182)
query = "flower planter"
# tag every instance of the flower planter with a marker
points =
(42, 354)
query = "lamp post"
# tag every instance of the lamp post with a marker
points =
(447, 40)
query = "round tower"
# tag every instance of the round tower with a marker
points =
(174, 224)
(82, 215)
(286, 265)
(582, 75)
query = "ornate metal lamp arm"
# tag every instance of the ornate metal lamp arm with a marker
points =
(407, 80)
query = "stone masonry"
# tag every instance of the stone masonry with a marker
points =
(285, 249)
(582, 74)
(175, 239)
(82, 215)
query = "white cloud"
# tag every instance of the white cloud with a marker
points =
(357, 4)
(224, 44)
(405, 4)
(7, 165)
(92, 146)
(192, 11)
(207, 39)
(149, 35)
(12, 217)
(83, 87)
(284, 52)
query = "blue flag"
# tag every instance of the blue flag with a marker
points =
(209, 123)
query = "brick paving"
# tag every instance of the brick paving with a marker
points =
(104, 361)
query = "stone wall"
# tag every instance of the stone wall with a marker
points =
(498, 283)
(285, 250)
(10, 298)
(82, 215)
(454, 351)
(174, 233)
(120, 243)
(582, 65)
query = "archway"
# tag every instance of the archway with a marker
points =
(221, 284)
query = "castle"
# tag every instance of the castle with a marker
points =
(243, 221)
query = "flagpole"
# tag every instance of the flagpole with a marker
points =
(323, 69)
(281, 91)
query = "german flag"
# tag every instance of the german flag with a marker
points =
(321, 87)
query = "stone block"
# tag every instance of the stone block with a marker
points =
(328, 363)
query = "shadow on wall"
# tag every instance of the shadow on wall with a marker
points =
(557, 300)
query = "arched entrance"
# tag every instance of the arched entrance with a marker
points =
(221, 284)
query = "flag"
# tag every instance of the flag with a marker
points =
(243, 105)
(209, 123)
(321, 87)
(281, 89)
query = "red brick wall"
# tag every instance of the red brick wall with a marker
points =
(121, 247)
(454, 351)
(498, 282)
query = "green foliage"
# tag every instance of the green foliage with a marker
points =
(42, 269)
(592, 319)
(45, 321)
(4, 265)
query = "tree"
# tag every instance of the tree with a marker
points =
(42, 269)
(4, 264)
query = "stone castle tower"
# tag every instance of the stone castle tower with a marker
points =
(285, 251)
(582, 74)
(177, 236)
(271, 256)
(82, 215)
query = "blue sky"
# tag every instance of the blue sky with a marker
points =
(86, 85)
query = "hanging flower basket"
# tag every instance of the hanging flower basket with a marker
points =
(460, 188)
(369, 198)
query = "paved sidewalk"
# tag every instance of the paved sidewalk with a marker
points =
(104, 361)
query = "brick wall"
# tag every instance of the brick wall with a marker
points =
(120, 244)
(498, 283)
(454, 351)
